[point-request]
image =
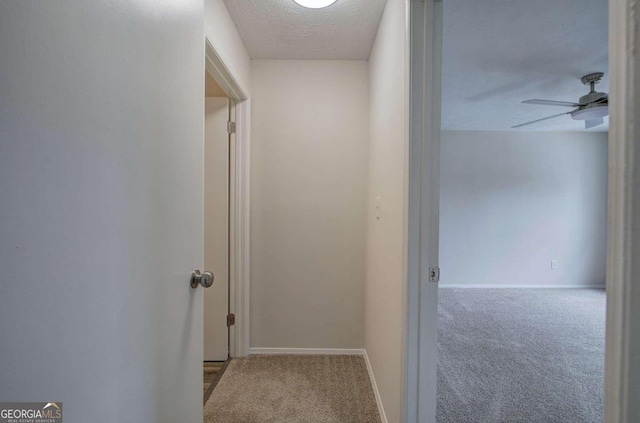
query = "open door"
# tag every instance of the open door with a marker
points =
(216, 228)
(101, 207)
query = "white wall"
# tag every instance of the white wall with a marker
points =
(513, 201)
(222, 33)
(384, 287)
(308, 196)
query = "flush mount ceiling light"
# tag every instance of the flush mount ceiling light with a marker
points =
(315, 4)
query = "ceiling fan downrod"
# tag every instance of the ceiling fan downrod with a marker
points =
(592, 79)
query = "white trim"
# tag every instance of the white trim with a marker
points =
(239, 216)
(241, 264)
(376, 392)
(232, 225)
(408, 389)
(224, 75)
(493, 286)
(622, 360)
(307, 351)
(425, 18)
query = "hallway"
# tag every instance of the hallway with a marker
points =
(294, 389)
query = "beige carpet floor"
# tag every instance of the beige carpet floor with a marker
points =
(293, 388)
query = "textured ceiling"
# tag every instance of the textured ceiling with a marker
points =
(497, 53)
(281, 29)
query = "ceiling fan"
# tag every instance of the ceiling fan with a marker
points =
(591, 108)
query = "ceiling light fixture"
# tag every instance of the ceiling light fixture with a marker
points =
(315, 4)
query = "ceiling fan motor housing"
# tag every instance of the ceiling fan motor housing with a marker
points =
(592, 106)
(591, 97)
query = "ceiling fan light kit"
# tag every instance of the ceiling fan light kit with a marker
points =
(591, 112)
(591, 108)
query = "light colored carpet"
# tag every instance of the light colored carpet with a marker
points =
(521, 355)
(293, 388)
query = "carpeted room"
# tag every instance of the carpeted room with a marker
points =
(521, 300)
(523, 215)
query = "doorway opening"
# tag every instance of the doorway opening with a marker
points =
(225, 248)
(424, 254)
(217, 192)
(523, 227)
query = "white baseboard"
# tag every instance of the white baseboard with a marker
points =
(304, 351)
(383, 416)
(463, 285)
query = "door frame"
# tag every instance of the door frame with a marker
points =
(239, 196)
(424, 22)
(622, 360)
(622, 367)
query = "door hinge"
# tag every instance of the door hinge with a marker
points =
(231, 319)
(231, 127)
(434, 274)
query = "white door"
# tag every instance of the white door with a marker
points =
(424, 210)
(101, 207)
(216, 228)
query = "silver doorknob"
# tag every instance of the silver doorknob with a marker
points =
(205, 279)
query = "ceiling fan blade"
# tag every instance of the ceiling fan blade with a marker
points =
(588, 124)
(550, 103)
(540, 120)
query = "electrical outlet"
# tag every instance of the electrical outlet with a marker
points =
(554, 264)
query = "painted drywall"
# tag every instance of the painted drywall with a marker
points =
(511, 202)
(384, 286)
(308, 197)
(101, 130)
(222, 33)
